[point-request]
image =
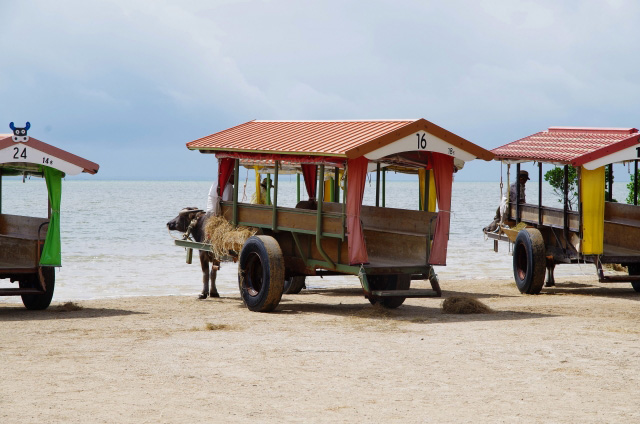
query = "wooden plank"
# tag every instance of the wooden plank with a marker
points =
(22, 226)
(553, 217)
(18, 252)
(620, 235)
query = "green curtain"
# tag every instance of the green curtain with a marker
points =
(51, 251)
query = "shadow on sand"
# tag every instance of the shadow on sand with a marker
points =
(613, 290)
(429, 312)
(17, 312)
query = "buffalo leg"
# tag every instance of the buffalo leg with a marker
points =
(204, 264)
(215, 265)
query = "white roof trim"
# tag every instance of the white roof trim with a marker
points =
(412, 142)
(27, 154)
(631, 153)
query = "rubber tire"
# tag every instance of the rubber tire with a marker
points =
(294, 285)
(529, 261)
(261, 273)
(38, 302)
(634, 269)
(389, 282)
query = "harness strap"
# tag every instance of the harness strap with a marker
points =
(192, 224)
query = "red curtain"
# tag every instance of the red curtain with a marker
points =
(356, 177)
(225, 168)
(443, 171)
(310, 174)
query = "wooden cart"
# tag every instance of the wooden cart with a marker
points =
(599, 231)
(30, 246)
(386, 248)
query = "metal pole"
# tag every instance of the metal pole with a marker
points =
(274, 211)
(635, 182)
(539, 193)
(517, 183)
(298, 187)
(377, 184)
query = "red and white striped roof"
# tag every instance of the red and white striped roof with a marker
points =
(589, 147)
(345, 139)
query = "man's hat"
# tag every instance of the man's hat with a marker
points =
(264, 183)
(524, 174)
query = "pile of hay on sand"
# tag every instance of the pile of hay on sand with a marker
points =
(223, 237)
(464, 305)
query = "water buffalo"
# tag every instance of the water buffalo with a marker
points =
(191, 221)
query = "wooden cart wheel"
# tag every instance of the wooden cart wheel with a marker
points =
(634, 269)
(389, 282)
(293, 285)
(36, 302)
(261, 273)
(529, 261)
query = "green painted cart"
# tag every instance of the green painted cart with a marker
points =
(331, 232)
(30, 246)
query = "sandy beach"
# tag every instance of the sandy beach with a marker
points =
(569, 355)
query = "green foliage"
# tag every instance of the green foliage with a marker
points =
(606, 183)
(555, 178)
(630, 187)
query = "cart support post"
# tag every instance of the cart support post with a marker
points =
(0, 190)
(635, 183)
(610, 183)
(384, 188)
(319, 222)
(336, 185)
(427, 194)
(517, 193)
(236, 171)
(274, 213)
(566, 204)
(298, 188)
(377, 184)
(539, 193)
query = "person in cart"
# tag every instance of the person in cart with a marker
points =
(523, 177)
(213, 200)
(522, 181)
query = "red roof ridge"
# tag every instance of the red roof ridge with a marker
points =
(593, 130)
(335, 120)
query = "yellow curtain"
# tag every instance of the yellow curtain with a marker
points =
(258, 199)
(431, 207)
(592, 192)
(328, 192)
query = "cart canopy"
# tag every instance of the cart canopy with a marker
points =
(587, 147)
(417, 144)
(38, 158)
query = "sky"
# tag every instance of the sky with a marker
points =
(126, 83)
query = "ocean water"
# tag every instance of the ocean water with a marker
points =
(115, 242)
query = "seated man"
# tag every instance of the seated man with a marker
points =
(522, 180)
(263, 194)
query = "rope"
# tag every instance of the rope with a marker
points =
(244, 189)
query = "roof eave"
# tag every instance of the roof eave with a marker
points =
(210, 150)
(607, 150)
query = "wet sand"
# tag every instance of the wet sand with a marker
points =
(569, 355)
